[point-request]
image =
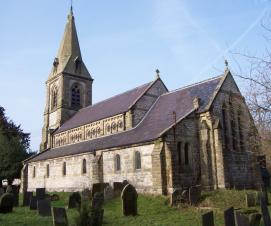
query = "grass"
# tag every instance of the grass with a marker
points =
(153, 211)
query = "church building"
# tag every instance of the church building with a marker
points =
(158, 140)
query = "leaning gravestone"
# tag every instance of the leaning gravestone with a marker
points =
(255, 219)
(229, 217)
(74, 200)
(26, 198)
(44, 208)
(40, 193)
(194, 194)
(265, 212)
(97, 201)
(129, 200)
(176, 197)
(241, 219)
(250, 199)
(59, 216)
(208, 219)
(108, 193)
(6, 203)
(33, 203)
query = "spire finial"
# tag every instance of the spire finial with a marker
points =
(71, 9)
(226, 65)
(157, 73)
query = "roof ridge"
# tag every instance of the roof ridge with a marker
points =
(115, 96)
(193, 84)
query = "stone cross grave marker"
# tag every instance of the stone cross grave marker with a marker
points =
(74, 200)
(208, 219)
(255, 219)
(265, 212)
(26, 198)
(40, 193)
(241, 219)
(6, 203)
(194, 194)
(97, 201)
(33, 203)
(44, 207)
(250, 199)
(59, 216)
(129, 200)
(108, 193)
(229, 217)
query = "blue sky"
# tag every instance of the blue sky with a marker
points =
(122, 43)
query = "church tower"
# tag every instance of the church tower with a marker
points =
(69, 86)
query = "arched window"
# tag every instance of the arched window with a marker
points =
(75, 96)
(186, 154)
(137, 160)
(34, 171)
(117, 162)
(225, 127)
(54, 98)
(240, 129)
(64, 169)
(84, 166)
(47, 170)
(233, 126)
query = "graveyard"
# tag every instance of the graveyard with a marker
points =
(136, 209)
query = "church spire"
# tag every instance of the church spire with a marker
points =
(69, 57)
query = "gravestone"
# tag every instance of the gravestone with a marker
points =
(86, 194)
(97, 201)
(208, 219)
(59, 216)
(129, 200)
(33, 203)
(98, 187)
(26, 198)
(74, 200)
(229, 217)
(194, 194)
(255, 219)
(44, 207)
(96, 217)
(265, 212)
(15, 192)
(108, 193)
(117, 188)
(2, 191)
(9, 189)
(250, 199)
(241, 219)
(6, 203)
(40, 193)
(176, 197)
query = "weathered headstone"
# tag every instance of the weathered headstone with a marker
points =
(250, 199)
(194, 194)
(40, 193)
(44, 207)
(6, 203)
(74, 200)
(97, 201)
(241, 219)
(59, 217)
(15, 192)
(26, 198)
(208, 219)
(117, 188)
(176, 197)
(97, 217)
(129, 200)
(86, 194)
(33, 203)
(98, 187)
(265, 212)
(255, 219)
(108, 193)
(229, 217)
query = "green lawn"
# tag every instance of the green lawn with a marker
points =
(152, 211)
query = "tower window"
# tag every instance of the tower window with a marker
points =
(137, 160)
(84, 166)
(75, 96)
(54, 98)
(117, 162)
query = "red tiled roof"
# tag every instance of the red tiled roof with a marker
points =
(157, 121)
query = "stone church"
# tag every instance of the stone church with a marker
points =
(156, 139)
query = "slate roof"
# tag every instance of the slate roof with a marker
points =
(156, 122)
(104, 109)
